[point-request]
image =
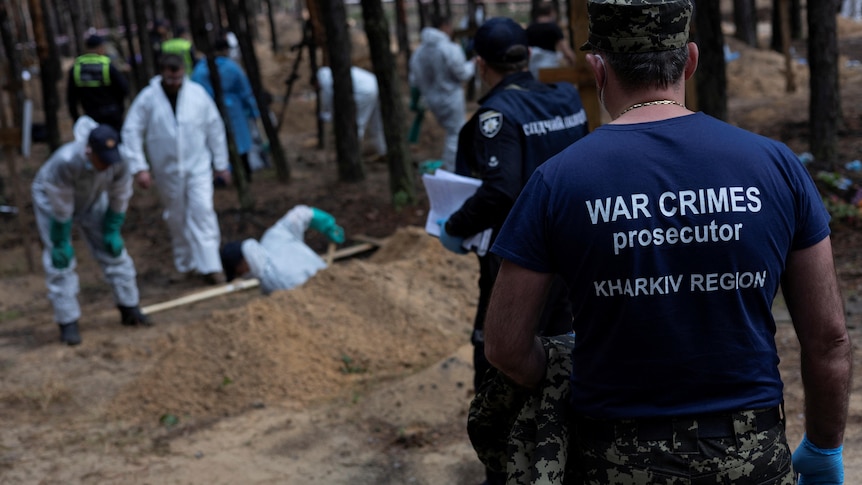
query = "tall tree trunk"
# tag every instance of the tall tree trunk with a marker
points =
(745, 20)
(49, 65)
(711, 78)
(239, 26)
(172, 12)
(75, 20)
(402, 33)
(401, 182)
(437, 9)
(273, 32)
(422, 9)
(110, 14)
(154, 10)
(776, 42)
(334, 18)
(138, 79)
(796, 19)
(13, 71)
(148, 68)
(825, 107)
(200, 15)
(60, 27)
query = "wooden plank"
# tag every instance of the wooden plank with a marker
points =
(330, 253)
(245, 284)
(368, 239)
(201, 295)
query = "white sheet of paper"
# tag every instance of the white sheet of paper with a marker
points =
(446, 194)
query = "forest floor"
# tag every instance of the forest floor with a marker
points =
(361, 376)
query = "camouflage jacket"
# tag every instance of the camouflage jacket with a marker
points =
(521, 432)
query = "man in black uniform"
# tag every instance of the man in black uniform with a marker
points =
(520, 124)
(97, 85)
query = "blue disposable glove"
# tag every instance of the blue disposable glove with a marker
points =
(111, 238)
(61, 250)
(452, 243)
(324, 223)
(818, 466)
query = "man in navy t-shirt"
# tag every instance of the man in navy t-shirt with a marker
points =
(673, 231)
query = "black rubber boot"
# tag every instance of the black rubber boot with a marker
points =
(131, 315)
(69, 334)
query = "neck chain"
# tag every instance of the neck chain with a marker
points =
(651, 103)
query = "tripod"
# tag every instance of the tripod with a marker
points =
(307, 42)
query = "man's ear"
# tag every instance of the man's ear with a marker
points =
(598, 66)
(693, 57)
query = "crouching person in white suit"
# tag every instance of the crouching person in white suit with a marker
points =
(85, 181)
(282, 260)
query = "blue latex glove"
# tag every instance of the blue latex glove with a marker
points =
(111, 238)
(452, 243)
(324, 223)
(818, 466)
(61, 252)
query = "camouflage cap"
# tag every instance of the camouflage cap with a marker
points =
(635, 26)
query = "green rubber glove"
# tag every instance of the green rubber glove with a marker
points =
(61, 252)
(324, 223)
(111, 238)
(414, 99)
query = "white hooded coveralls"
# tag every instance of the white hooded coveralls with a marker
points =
(182, 149)
(439, 68)
(282, 260)
(365, 95)
(852, 9)
(68, 187)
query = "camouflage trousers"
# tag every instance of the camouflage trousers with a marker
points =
(625, 457)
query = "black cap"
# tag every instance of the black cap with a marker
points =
(496, 39)
(105, 142)
(231, 256)
(94, 41)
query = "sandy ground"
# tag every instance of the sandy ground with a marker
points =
(361, 376)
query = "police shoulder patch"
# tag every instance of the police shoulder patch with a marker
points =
(490, 123)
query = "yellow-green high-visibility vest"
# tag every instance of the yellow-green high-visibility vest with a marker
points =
(91, 71)
(182, 48)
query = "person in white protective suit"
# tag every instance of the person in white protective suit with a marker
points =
(282, 260)
(85, 181)
(852, 9)
(175, 125)
(438, 68)
(365, 95)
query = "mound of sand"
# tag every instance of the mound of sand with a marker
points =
(358, 322)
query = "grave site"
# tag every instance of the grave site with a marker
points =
(363, 375)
